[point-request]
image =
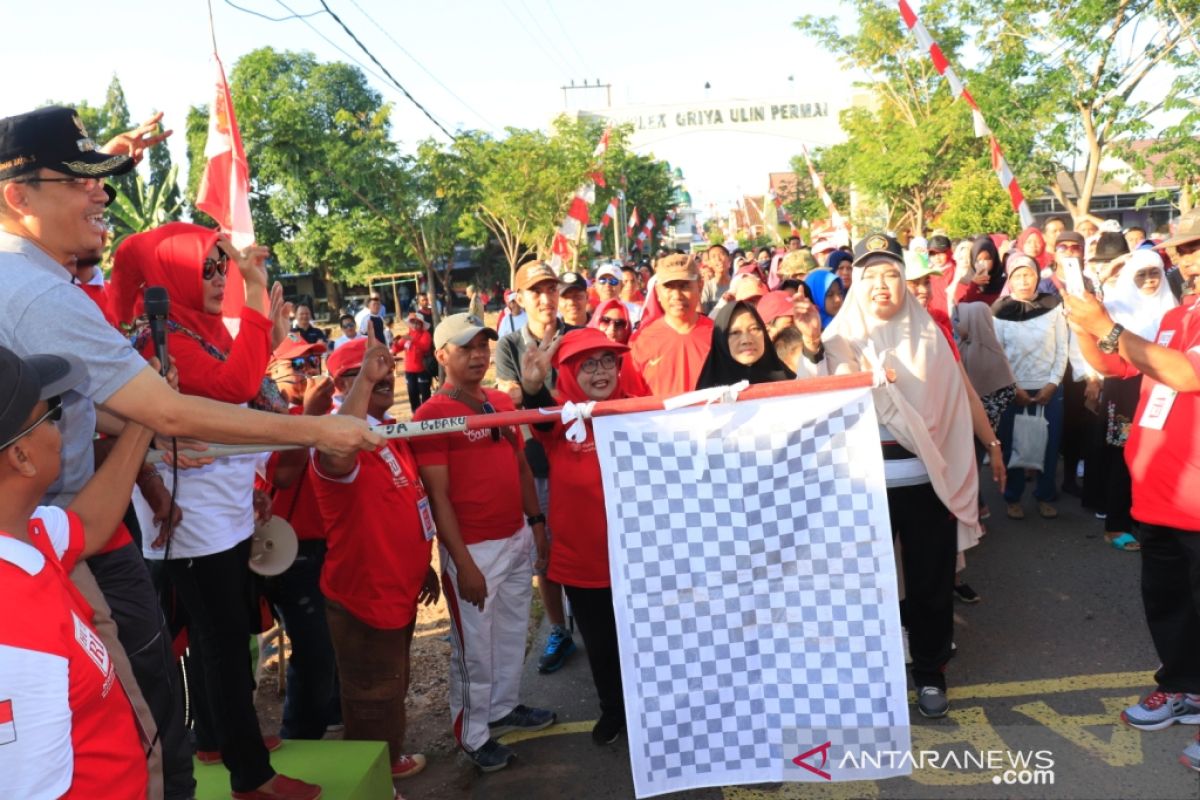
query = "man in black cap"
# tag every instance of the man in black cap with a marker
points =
(52, 203)
(573, 299)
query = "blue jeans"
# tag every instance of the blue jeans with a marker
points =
(1046, 488)
(312, 701)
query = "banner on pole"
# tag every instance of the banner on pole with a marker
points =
(755, 593)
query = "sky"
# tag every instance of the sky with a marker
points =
(474, 64)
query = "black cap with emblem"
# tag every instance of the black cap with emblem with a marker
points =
(877, 245)
(54, 138)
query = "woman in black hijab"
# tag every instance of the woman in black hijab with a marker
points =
(741, 350)
(985, 279)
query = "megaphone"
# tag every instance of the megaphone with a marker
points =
(273, 547)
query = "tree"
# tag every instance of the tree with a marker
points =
(1074, 73)
(904, 152)
(148, 206)
(308, 129)
(977, 203)
(805, 204)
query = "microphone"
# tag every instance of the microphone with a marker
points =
(157, 304)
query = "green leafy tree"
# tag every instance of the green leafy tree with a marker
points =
(1066, 84)
(148, 206)
(977, 203)
(905, 150)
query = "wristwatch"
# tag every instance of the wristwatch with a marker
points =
(1108, 345)
(535, 519)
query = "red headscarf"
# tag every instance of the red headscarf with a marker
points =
(577, 347)
(171, 256)
(604, 308)
(1045, 258)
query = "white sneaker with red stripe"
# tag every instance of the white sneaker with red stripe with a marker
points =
(1161, 710)
(408, 765)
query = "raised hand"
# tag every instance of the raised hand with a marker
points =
(134, 143)
(318, 396)
(535, 364)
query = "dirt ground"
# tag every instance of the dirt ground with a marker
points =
(428, 704)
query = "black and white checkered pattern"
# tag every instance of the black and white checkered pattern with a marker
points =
(755, 589)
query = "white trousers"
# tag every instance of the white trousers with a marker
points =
(488, 646)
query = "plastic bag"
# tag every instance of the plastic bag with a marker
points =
(1031, 432)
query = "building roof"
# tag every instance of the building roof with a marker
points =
(1118, 177)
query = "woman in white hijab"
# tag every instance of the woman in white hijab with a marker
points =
(1138, 299)
(926, 426)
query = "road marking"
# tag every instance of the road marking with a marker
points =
(1123, 748)
(1070, 683)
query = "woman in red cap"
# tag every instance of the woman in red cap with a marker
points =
(588, 365)
(207, 554)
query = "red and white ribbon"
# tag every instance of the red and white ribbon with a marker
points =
(959, 89)
(578, 211)
(834, 216)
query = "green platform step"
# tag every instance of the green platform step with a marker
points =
(345, 770)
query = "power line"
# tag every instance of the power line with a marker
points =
(375, 60)
(533, 18)
(272, 19)
(566, 35)
(413, 58)
(523, 26)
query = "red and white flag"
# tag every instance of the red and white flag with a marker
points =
(610, 213)
(224, 192)
(8, 726)
(633, 223)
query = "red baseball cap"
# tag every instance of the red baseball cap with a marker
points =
(773, 305)
(295, 346)
(346, 357)
(583, 340)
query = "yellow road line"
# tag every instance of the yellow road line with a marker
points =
(979, 691)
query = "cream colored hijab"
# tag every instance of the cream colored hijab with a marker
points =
(926, 408)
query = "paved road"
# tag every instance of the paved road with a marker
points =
(1057, 647)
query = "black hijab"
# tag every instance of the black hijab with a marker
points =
(997, 277)
(1014, 310)
(720, 368)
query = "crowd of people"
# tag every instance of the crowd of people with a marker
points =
(124, 570)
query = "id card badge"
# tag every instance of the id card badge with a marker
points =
(1158, 406)
(426, 518)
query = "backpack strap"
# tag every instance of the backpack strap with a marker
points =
(454, 393)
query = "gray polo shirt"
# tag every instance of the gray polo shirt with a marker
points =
(43, 312)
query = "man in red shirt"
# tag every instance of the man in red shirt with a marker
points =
(377, 566)
(488, 520)
(1163, 454)
(416, 345)
(66, 726)
(671, 351)
(311, 703)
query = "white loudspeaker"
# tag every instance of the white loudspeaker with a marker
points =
(273, 547)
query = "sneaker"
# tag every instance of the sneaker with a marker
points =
(492, 756)
(1046, 510)
(408, 765)
(522, 718)
(932, 702)
(1190, 757)
(559, 645)
(1161, 710)
(210, 757)
(1015, 511)
(608, 728)
(985, 513)
(281, 787)
(966, 594)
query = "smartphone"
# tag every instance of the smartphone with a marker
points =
(1074, 277)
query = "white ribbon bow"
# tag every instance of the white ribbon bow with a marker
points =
(574, 418)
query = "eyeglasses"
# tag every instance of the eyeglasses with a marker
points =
(87, 184)
(607, 281)
(312, 360)
(53, 413)
(614, 322)
(606, 361)
(348, 325)
(1069, 247)
(216, 266)
(753, 332)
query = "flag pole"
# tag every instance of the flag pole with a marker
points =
(212, 29)
(604, 408)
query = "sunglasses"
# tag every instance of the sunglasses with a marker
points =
(1070, 247)
(300, 362)
(614, 322)
(348, 325)
(216, 266)
(607, 281)
(53, 413)
(488, 408)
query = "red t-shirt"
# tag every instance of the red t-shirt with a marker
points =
(1165, 464)
(579, 552)
(418, 345)
(670, 362)
(66, 726)
(485, 484)
(297, 503)
(377, 555)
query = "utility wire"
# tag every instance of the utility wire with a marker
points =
(558, 62)
(395, 82)
(272, 19)
(567, 36)
(533, 18)
(413, 58)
